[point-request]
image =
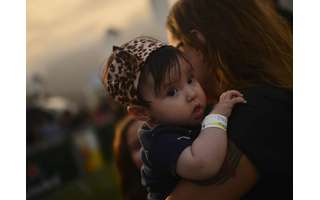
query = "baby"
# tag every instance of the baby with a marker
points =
(157, 84)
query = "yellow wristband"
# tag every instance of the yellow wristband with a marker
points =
(215, 120)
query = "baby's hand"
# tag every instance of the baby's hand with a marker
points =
(226, 102)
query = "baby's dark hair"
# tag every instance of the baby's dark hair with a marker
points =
(159, 65)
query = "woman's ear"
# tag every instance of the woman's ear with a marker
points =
(139, 112)
(198, 35)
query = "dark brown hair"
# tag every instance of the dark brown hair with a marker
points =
(129, 174)
(246, 44)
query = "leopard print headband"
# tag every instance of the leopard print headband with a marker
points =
(122, 72)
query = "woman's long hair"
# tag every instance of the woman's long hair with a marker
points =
(129, 174)
(246, 43)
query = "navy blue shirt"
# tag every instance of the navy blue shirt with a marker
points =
(162, 146)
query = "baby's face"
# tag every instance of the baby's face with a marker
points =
(180, 101)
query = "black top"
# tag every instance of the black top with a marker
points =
(262, 129)
(162, 146)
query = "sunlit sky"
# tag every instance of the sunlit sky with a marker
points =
(67, 41)
(56, 26)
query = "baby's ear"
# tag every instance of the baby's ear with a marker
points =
(138, 112)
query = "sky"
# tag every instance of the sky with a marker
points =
(68, 41)
(55, 27)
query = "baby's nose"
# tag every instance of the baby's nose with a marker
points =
(191, 95)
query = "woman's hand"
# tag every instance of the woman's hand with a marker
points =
(236, 186)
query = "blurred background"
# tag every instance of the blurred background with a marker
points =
(70, 120)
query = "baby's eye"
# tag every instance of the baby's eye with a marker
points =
(172, 92)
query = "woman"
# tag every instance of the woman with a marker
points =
(126, 148)
(238, 44)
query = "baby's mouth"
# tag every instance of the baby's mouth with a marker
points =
(197, 112)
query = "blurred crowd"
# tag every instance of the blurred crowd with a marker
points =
(67, 142)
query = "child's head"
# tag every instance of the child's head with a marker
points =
(155, 82)
(126, 149)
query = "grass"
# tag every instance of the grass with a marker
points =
(98, 185)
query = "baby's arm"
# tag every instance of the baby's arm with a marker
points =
(204, 158)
